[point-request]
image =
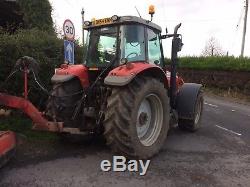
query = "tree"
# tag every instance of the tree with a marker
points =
(25, 14)
(11, 17)
(213, 48)
(37, 14)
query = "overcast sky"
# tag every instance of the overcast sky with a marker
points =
(201, 19)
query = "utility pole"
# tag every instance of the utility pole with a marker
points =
(82, 25)
(244, 29)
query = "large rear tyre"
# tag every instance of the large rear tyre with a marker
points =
(137, 118)
(193, 124)
(61, 105)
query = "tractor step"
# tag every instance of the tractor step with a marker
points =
(7, 146)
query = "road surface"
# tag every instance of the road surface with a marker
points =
(216, 155)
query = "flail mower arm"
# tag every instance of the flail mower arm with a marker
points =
(40, 123)
(28, 64)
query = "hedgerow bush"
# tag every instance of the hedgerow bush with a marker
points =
(215, 63)
(45, 47)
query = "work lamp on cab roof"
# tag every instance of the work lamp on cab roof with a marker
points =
(151, 11)
(87, 23)
(114, 18)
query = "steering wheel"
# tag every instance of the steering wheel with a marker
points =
(135, 44)
(133, 53)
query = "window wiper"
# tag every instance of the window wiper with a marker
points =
(104, 33)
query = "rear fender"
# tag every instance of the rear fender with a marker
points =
(124, 74)
(68, 72)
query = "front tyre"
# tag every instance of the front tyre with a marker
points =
(193, 124)
(137, 118)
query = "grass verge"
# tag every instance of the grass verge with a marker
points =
(232, 94)
(22, 125)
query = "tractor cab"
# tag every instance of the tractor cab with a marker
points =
(122, 39)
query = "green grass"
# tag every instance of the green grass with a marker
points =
(214, 63)
(23, 125)
(234, 94)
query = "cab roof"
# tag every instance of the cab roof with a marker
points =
(123, 20)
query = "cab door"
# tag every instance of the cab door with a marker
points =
(154, 54)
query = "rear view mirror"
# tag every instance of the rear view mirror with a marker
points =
(179, 44)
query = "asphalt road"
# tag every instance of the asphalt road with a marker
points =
(216, 155)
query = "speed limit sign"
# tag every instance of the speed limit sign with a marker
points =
(69, 30)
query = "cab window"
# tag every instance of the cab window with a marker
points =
(154, 49)
(133, 43)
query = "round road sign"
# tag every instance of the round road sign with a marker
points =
(69, 30)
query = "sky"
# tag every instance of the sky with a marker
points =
(201, 20)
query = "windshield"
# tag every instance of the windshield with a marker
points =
(101, 46)
(132, 43)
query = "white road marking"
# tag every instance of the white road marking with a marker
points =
(215, 106)
(228, 130)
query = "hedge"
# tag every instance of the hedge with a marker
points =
(46, 48)
(214, 63)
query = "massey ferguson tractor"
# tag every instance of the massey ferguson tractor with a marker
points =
(122, 90)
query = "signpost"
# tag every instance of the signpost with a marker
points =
(69, 33)
(69, 30)
(69, 51)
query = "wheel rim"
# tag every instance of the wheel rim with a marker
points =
(149, 119)
(198, 112)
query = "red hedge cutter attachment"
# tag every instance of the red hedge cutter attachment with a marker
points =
(7, 146)
(7, 138)
(29, 65)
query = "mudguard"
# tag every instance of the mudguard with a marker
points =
(124, 74)
(186, 100)
(61, 78)
(68, 72)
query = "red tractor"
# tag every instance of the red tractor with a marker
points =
(122, 90)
